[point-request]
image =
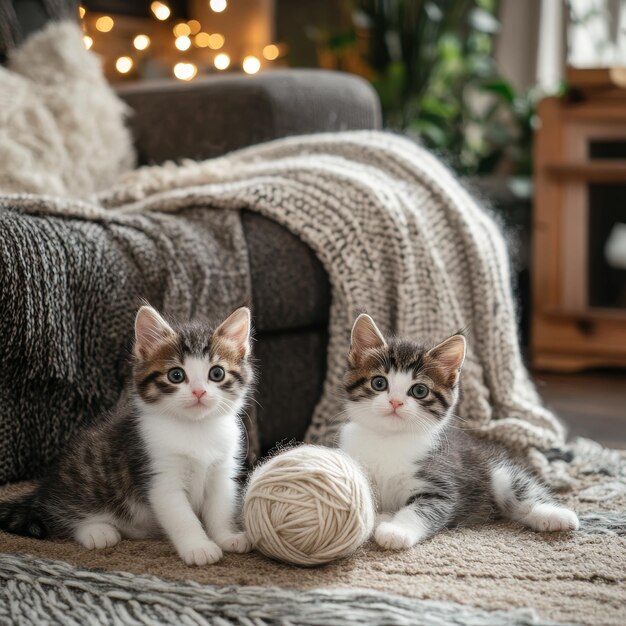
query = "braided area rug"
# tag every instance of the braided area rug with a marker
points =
(34, 591)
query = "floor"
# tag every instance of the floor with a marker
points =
(592, 404)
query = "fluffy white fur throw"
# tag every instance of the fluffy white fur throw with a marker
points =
(61, 127)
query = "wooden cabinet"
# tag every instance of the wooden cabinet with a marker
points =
(579, 290)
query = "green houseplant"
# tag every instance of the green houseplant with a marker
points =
(433, 68)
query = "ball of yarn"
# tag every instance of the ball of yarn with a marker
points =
(308, 506)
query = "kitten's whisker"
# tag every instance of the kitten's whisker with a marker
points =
(335, 418)
(463, 420)
(251, 398)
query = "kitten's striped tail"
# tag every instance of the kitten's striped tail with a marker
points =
(20, 517)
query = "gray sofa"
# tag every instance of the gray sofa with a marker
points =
(290, 289)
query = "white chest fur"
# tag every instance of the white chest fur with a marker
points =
(390, 461)
(187, 452)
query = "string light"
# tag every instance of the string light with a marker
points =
(216, 41)
(161, 11)
(202, 40)
(81, 11)
(184, 33)
(251, 65)
(183, 43)
(123, 65)
(182, 30)
(218, 5)
(194, 26)
(221, 61)
(141, 42)
(271, 52)
(104, 24)
(185, 71)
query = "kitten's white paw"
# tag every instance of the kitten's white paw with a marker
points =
(205, 553)
(97, 536)
(551, 518)
(382, 517)
(390, 536)
(237, 542)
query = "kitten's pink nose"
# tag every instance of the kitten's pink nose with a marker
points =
(198, 393)
(396, 403)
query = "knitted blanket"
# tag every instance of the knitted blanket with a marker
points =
(399, 237)
(70, 290)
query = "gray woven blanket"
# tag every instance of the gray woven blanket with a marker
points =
(70, 289)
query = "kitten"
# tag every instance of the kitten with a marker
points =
(428, 473)
(164, 462)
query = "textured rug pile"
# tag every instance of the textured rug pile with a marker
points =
(490, 575)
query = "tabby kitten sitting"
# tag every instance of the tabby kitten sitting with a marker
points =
(428, 473)
(165, 461)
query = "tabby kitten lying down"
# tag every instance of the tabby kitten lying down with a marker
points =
(167, 460)
(428, 473)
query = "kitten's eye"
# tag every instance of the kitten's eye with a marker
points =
(216, 373)
(419, 391)
(176, 375)
(379, 383)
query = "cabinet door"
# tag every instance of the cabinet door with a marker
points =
(593, 220)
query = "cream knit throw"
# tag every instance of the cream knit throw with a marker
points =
(400, 239)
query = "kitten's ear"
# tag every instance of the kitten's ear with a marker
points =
(150, 329)
(365, 336)
(450, 354)
(234, 331)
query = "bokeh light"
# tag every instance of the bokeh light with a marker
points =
(105, 23)
(216, 41)
(183, 43)
(271, 52)
(141, 42)
(251, 65)
(218, 5)
(161, 11)
(182, 30)
(202, 40)
(194, 26)
(123, 65)
(221, 61)
(185, 71)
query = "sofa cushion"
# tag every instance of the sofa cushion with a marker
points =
(211, 116)
(292, 369)
(290, 288)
